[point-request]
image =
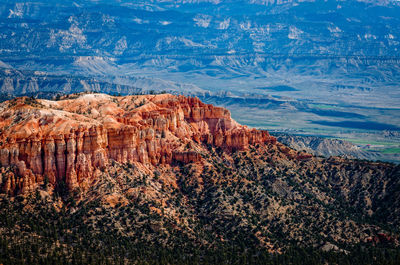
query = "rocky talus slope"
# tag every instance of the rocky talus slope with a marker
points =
(168, 179)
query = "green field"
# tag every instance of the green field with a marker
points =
(371, 142)
(387, 147)
(321, 106)
(395, 150)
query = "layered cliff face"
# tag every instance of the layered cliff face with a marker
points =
(73, 140)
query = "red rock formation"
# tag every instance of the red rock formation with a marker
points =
(74, 139)
(304, 156)
(187, 157)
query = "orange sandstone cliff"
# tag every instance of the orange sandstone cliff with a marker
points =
(73, 140)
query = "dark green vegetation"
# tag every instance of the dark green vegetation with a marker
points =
(45, 236)
(261, 206)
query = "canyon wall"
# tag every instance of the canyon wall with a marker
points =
(73, 140)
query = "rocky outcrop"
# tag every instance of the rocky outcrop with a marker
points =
(187, 157)
(73, 140)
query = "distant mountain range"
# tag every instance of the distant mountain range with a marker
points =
(260, 42)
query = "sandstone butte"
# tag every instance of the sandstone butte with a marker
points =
(74, 139)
